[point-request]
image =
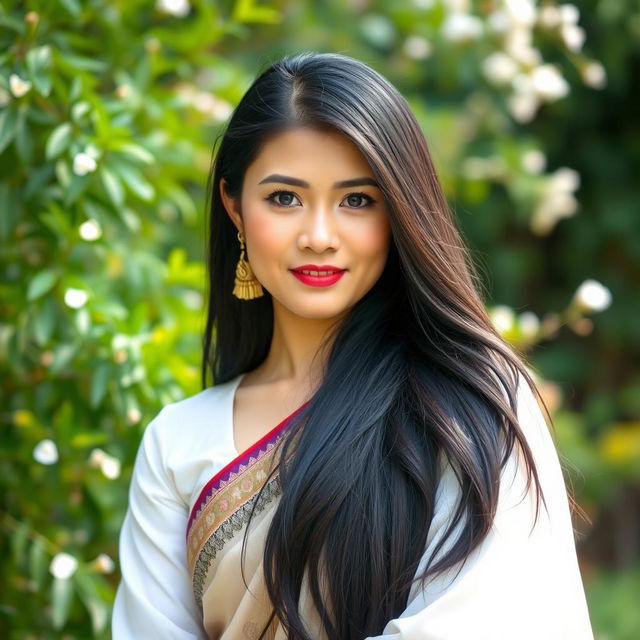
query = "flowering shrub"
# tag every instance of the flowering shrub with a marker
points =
(108, 114)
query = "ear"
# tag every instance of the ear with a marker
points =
(232, 206)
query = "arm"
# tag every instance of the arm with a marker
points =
(154, 597)
(519, 583)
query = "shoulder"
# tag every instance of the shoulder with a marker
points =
(187, 417)
(190, 438)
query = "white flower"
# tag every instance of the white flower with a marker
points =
(90, 230)
(96, 457)
(521, 11)
(534, 161)
(123, 91)
(594, 75)
(192, 299)
(565, 179)
(499, 68)
(75, 298)
(109, 465)
(569, 13)
(46, 452)
(518, 44)
(134, 415)
(493, 167)
(551, 210)
(548, 83)
(573, 36)
(523, 106)
(417, 47)
(179, 8)
(63, 565)
(456, 6)
(459, 27)
(499, 21)
(18, 86)
(557, 201)
(529, 323)
(592, 296)
(103, 563)
(549, 16)
(211, 105)
(83, 163)
(502, 318)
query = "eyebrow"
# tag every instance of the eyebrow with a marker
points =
(296, 182)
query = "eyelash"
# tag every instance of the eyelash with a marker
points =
(271, 196)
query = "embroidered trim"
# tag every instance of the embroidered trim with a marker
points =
(227, 530)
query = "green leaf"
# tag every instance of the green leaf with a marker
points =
(61, 597)
(99, 384)
(89, 439)
(39, 59)
(72, 6)
(112, 186)
(111, 309)
(37, 179)
(43, 321)
(76, 89)
(247, 11)
(76, 186)
(79, 110)
(135, 151)
(83, 64)
(58, 140)
(37, 563)
(8, 119)
(62, 357)
(38, 63)
(41, 283)
(9, 197)
(135, 181)
(24, 139)
(12, 22)
(19, 540)
(88, 588)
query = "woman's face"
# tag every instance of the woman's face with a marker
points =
(294, 212)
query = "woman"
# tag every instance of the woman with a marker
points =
(371, 461)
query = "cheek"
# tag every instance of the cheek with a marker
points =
(373, 241)
(268, 238)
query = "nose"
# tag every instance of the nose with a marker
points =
(318, 231)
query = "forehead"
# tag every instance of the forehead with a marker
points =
(309, 153)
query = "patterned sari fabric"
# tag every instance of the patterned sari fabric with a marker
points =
(215, 531)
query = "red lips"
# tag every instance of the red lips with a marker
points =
(316, 267)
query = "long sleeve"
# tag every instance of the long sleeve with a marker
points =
(154, 597)
(522, 581)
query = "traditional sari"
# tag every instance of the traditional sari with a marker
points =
(516, 584)
(215, 530)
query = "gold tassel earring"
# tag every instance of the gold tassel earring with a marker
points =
(246, 286)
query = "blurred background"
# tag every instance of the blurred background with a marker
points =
(109, 110)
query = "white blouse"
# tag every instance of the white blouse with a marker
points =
(514, 586)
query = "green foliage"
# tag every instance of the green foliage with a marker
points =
(106, 140)
(108, 114)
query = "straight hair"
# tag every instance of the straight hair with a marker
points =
(416, 373)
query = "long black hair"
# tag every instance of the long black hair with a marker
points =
(416, 371)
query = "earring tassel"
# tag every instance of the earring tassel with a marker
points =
(246, 285)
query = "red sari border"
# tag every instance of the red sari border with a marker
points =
(233, 465)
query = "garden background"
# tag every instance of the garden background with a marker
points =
(109, 111)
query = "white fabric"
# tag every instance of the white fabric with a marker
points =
(514, 585)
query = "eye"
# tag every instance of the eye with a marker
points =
(354, 196)
(277, 197)
(281, 192)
